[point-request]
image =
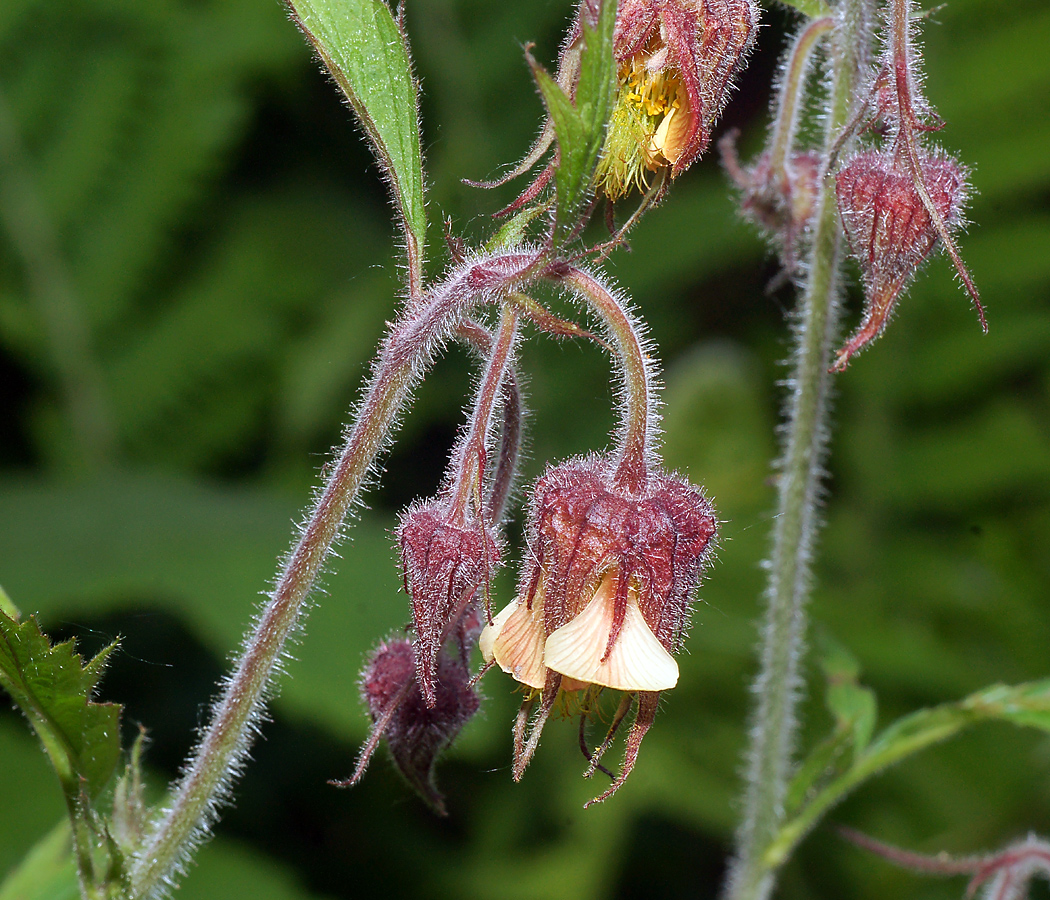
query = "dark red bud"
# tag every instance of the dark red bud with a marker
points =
(445, 563)
(417, 733)
(889, 229)
(780, 202)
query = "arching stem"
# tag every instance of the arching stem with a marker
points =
(634, 438)
(412, 342)
(777, 686)
(471, 453)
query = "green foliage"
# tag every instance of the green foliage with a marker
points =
(580, 121)
(53, 687)
(853, 705)
(1025, 704)
(202, 552)
(47, 872)
(363, 47)
(7, 607)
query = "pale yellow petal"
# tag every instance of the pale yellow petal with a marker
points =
(673, 131)
(638, 661)
(518, 647)
(490, 632)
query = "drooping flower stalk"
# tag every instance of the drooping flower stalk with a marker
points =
(791, 90)
(779, 189)
(639, 419)
(450, 547)
(616, 550)
(1004, 875)
(903, 79)
(506, 465)
(777, 686)
(471, 462)
(217, 760)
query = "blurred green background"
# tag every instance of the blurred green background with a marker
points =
(196, 261)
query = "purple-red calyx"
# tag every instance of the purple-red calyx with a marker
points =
(416, 730)
(780, 200)
(447, 558)
(890, 229)
(605, 594)
(676, 62)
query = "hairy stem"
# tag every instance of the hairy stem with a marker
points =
(792, 90)
(506, 465)
(218, 758)
(632, 468)
(470, 464)
(801, 468)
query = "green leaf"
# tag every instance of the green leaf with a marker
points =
(1024, 704)
(853, 705)
(824, 759)
(1027, 705)
(363, 47)
(47, 872)
(854, 708)
(7, 606)
(53, 687)
(513, 230)
(580, 126)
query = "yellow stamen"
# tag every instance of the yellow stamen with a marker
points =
(646, 102)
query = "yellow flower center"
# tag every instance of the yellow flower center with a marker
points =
(655, 93)
(637, 142)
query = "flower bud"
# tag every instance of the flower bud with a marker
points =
(889, 229)
(780, 202)
(676, 60)
(417, 732)
(445, 561)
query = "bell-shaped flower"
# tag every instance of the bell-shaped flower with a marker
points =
(606, 591)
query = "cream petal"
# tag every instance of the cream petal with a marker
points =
(490, 632)
(638, 661)
(673, 131)
(518, 647)
(658, 144)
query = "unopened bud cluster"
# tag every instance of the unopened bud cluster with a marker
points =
(898, 199)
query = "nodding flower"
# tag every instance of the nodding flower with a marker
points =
(676, 60)
(605, 594)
